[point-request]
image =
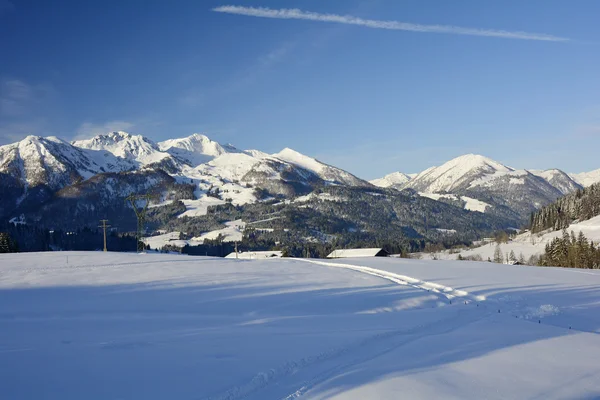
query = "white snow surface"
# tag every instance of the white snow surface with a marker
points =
(199, 207)
(130, 326)
(233, 232)
(471, 204)
(474, 204)
(169, 238)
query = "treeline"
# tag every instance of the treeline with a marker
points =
(571, 251)
(581, 205)
(25, 238)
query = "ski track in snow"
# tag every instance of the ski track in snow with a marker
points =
(377, 345)
(380, 344)
(446, 291)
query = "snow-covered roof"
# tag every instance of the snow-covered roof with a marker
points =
(255, 255)
(347, 253)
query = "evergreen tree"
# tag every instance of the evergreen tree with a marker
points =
(498, 257)
(7, 244)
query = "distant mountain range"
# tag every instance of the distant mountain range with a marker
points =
(501, 189)
(39, 171)
(48, 181)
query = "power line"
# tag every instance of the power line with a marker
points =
(104, 226)
(140, 213)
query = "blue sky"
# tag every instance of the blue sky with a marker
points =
(366, 99)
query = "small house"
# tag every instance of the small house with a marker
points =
(354, 253)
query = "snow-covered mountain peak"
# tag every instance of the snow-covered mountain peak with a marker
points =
(256, 153)
(195, 142)
(559, 179)
(195, 149)
(299, 159)
(124, 145)
(326, 172)
(395, 179)
(114, 140)
(457, 173)
(470, 162)
(586, 179)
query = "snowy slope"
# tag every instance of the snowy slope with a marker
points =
(396, 180)
(586, 179)
(257, 154)
(109, 325)
(233, 232)
(560, 180)
(469, 203)
(527, 244)
(326, 172)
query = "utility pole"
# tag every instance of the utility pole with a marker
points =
(140, 213)
(236, 251)
(104, 226)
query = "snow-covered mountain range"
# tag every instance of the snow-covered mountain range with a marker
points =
(475, 170)
(201, 172)
(35, 169)
(498, 187)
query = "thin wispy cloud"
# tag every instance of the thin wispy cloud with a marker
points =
(295, 13)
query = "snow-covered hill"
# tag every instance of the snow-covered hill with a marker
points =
(527, 244)
(395, 180)
(93, 325)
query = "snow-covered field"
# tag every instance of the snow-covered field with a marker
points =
(76, 325)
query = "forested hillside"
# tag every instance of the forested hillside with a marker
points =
(580, 205)
(571, 251)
